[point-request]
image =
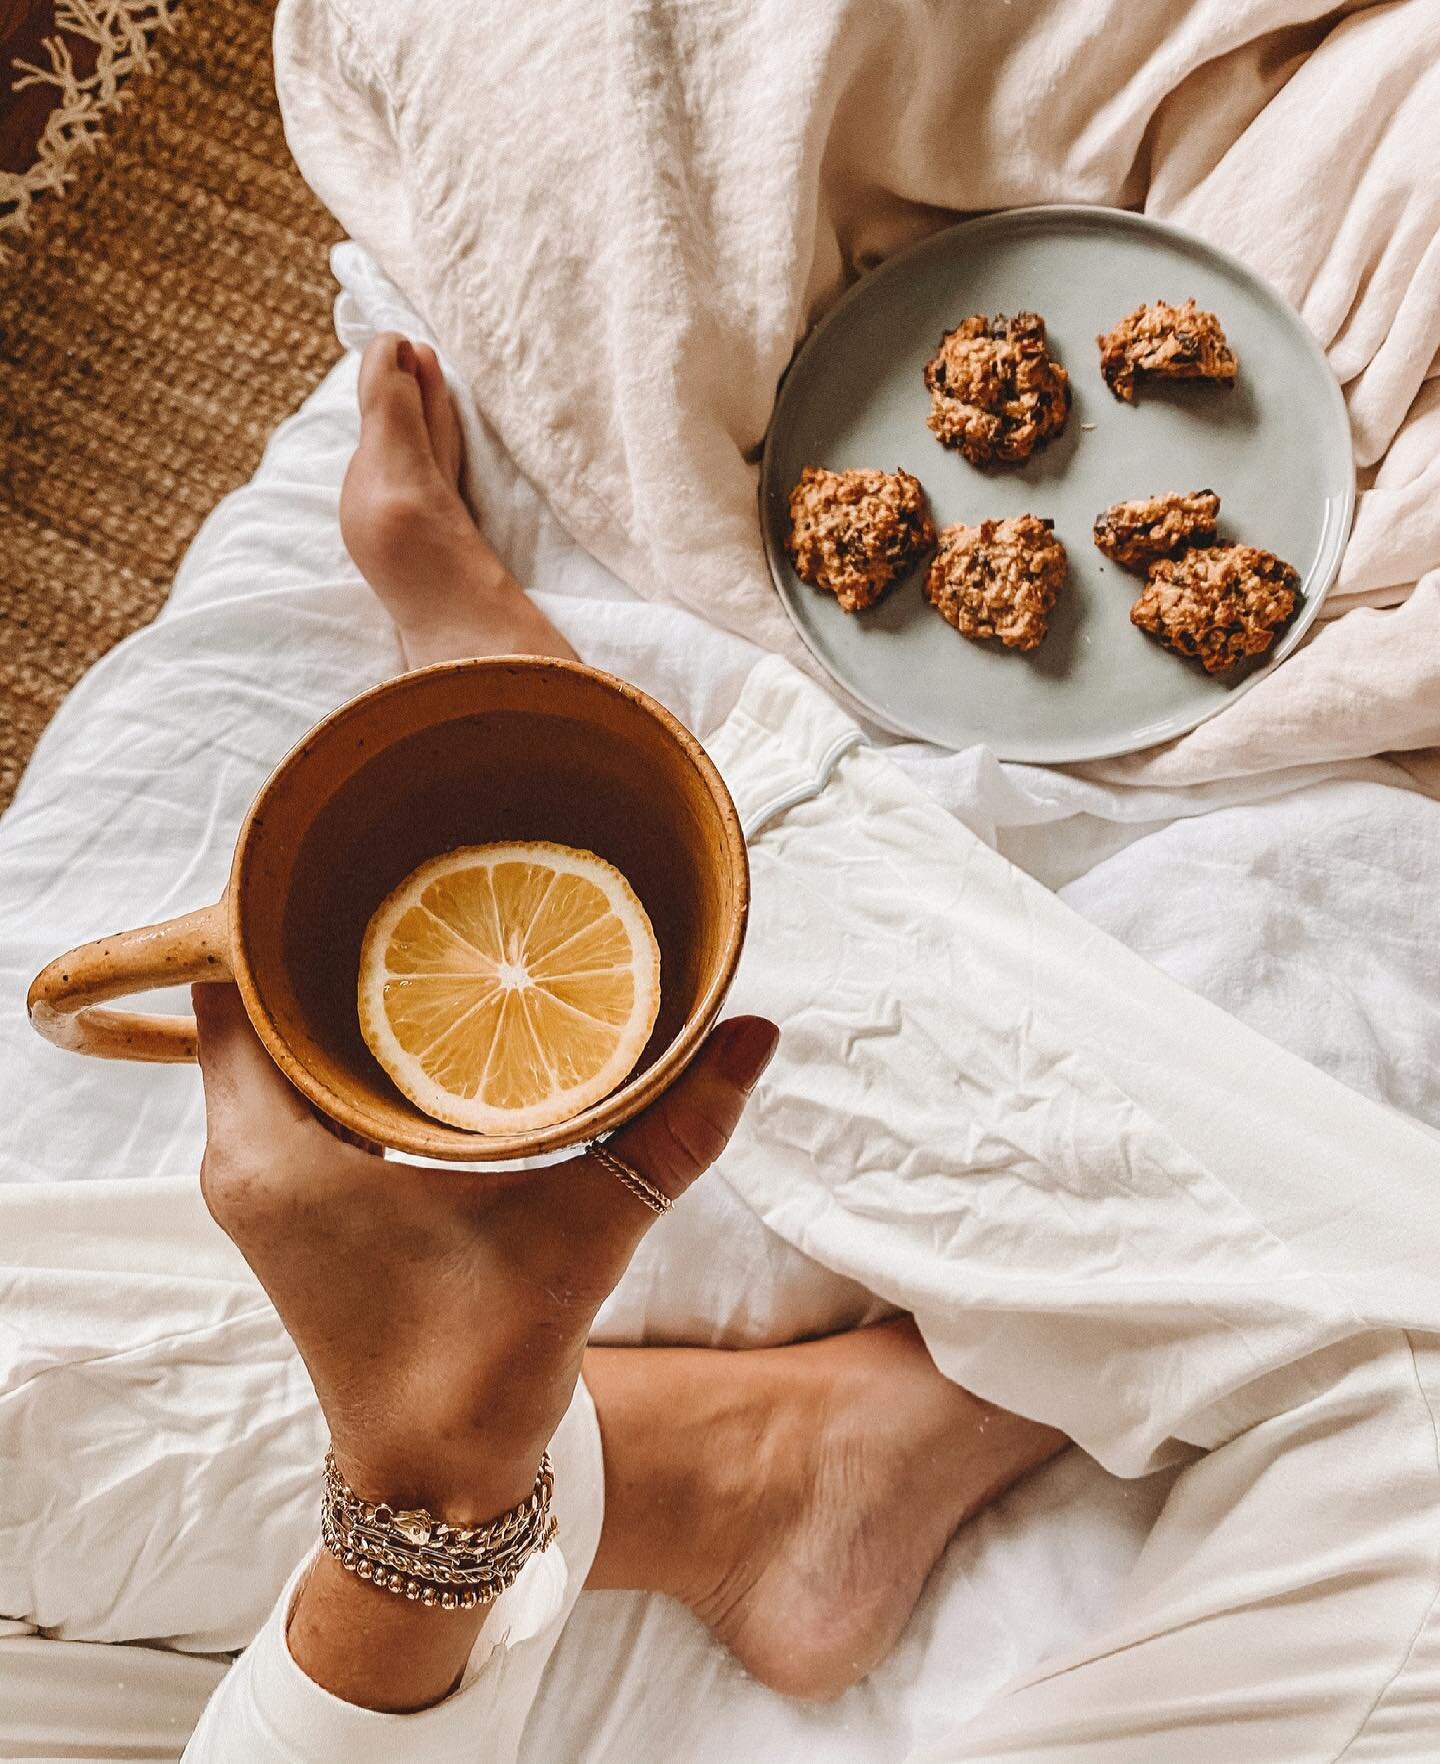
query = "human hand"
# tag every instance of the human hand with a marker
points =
(442, 1314)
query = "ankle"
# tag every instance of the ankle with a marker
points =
(940, 1423)
(424, 646)
(688, 1436)
(484, 616)
(473, 597)
(795, 1498)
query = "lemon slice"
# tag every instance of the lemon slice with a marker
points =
(508, 987)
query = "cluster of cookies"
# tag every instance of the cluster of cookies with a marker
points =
(1217, 603)
(996, 395)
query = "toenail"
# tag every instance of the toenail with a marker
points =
(405, 356)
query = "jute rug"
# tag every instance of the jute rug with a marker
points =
(165, 303)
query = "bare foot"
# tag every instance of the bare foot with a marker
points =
(406, 526)
(796, 1498)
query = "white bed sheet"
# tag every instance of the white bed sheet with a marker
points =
(1295, 900)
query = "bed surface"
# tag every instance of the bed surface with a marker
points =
(1295, 899)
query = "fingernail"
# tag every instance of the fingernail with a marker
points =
(749, 1047)
(405, 356)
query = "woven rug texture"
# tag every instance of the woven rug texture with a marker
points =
(164, 304)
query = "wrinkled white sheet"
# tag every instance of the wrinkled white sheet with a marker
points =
(1295, 900)
(623, 217)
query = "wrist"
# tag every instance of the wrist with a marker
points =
(369, 1648)
(463, 1460)
(428, 1559)
(464, 1484)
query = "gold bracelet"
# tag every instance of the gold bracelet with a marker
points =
(631, 1177)
(410, 1552)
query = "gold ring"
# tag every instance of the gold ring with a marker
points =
(633, 1180)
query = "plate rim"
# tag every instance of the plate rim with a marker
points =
(1334, 537)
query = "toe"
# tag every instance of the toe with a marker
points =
(394, 494)
(386, 353)
(392, 408)
(441, 417)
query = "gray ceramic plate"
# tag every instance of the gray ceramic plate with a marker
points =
(1276, 449)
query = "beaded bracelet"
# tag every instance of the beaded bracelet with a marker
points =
(410, 1552)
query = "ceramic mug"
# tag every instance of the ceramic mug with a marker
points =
(457, 754)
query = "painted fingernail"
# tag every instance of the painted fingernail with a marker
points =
(749, 1047)
(405, 356)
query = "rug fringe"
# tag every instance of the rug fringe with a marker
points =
(122, 32)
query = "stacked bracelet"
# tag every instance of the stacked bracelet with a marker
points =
(409, 1552)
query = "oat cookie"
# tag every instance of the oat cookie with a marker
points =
(1136, 534)
(1164, 342)
(1217, 603)
(857, 533)
(996, 392)
(999, 579)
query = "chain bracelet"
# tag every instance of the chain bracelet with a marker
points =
(409, 1552)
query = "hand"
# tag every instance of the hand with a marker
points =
(442, 1314)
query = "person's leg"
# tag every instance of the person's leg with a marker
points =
(795, 1498)
(1286, 1606)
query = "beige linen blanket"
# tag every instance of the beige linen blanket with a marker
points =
(621, 216)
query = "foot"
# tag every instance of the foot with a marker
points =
(406, 525)
(815, 1490)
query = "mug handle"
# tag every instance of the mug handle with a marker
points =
(65, 998)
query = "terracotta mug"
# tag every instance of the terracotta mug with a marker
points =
(462, 753)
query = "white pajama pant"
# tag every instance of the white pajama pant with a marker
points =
(1109, 1206)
